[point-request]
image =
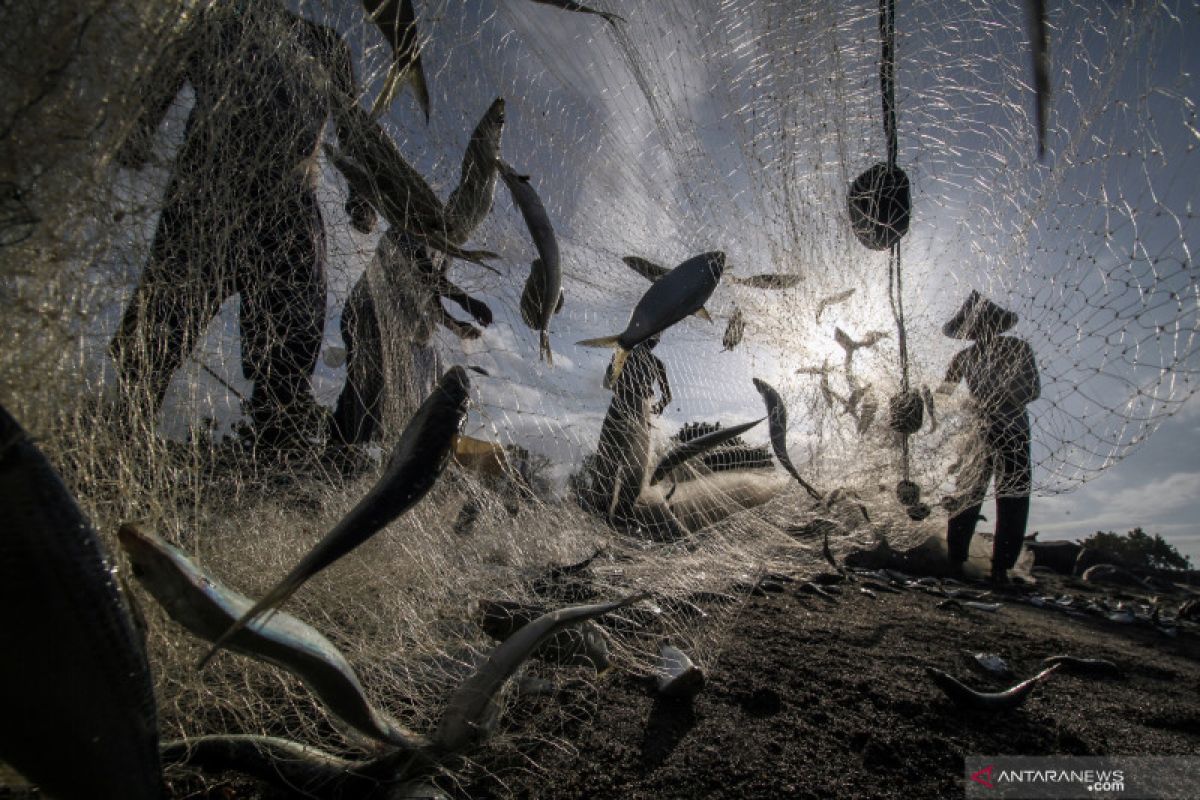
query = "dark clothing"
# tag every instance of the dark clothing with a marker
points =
(240, 214)
(1002, 377)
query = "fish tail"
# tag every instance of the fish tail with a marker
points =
(618, 363)
(603, 341)
(545, 348)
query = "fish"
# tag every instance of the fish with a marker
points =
(826, 302)
(206, 607)
(286, 765)
(677, 677)
(866, 414)
(931, 410)
(1039, 39)
(570, 5)
(580, 645)
(80, 719)
(1084, 666)
(471, 201)
(849, 345)
(681, 292)
(734, 330)
(543, 295)
(987, 701)
(770, 280)
(652, 272)
(777, 422)
(694, 447)
(397, 21)
(471, 713)
(420, 456)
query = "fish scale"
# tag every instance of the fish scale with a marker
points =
(80, 718)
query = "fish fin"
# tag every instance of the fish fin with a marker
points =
(546, 355)
(603, 341)
(618, 363)
(704, 315)
(561, 296)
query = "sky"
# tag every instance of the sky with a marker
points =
(663, 138)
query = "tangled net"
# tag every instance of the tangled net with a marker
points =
(679, 129)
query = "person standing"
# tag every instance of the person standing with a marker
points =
(1002, 377)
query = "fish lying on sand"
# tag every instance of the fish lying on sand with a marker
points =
(418, 459)
(543, 295)
(694, 447)
(570, 5)
(471, 714)
(777, 421)
(471, 201)
(679, 293)
(79, 718)
(1073, 665)
(652, 272)
(397, 21)
(678, 677)
(734, 330)
(987, 701)
(206, 607)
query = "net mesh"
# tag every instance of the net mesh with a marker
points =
(162, 177)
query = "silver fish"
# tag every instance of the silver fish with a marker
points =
(826, 302)
(681, 292)
(397, 21)
(734, 330)
(769, 280)
(694, 447)
(416, 463)
(75, 687)
(777, 423)
(471, 201)
(652, 272)
(677, 676)
(471, 712)
(206, 607)
(570, 5)
(987, 701)
(543, 295)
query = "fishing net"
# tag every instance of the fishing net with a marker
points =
(161, 178)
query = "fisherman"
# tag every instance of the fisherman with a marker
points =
(240, 214)
(622, 455)
(1002, 378)
(387, 325)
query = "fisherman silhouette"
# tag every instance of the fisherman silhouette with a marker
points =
(1002, 377)
(240, 214)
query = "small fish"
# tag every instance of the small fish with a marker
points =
(826, 302)
(678, 677)
(471, 713)
(734, 331)
(777, 423)
(417, 461)
(987, 701)
(652, 272)
(931, 410)
(1039, 38)
(993, 663)
(397, 21)
(991, 608)
(569, 5)
(543, 295)
(851, 345)
(694, 447)
(79, 717)
(770, 280)
(1084, 666)
(866, 414)
(206, 607)
(867, 591)
(471, 201)
(681, 292)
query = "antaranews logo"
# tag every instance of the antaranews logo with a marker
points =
(984, 776)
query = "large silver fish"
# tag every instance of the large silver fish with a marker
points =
(681, 292)
(652, 272)
(777, 423)
(416, 462)
(543, 295)
(471, 713)
(397, 21)
(76, 698)
(570, 5)
(471, 201)
(206, 607)
(694, 447)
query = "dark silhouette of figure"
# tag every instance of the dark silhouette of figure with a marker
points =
(1002, 377)
(240, 214)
